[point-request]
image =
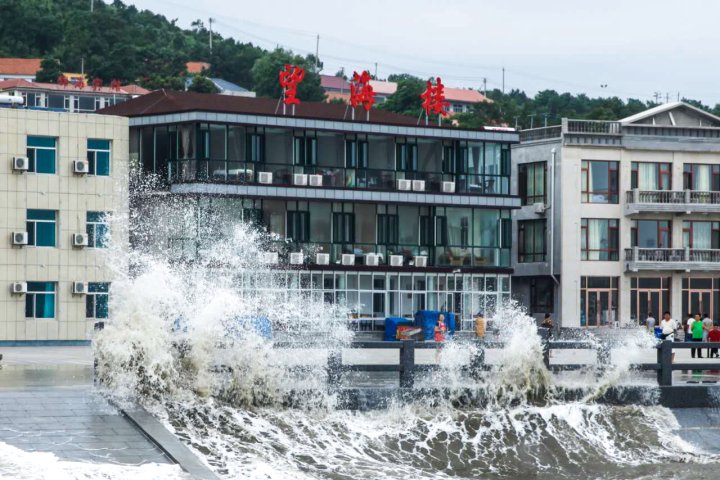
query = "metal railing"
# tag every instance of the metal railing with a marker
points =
(542, 133)
(676, 197)
(670, 255)
(594, 127)
(227, 171)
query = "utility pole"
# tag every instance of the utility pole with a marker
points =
(657, 96)
(210, 22)
(92, 6)
(503, 81)
(546, 117)
(532, 118)
(317, 52)
(375, 70)
(667, 97)
(516, 123)
(484, 87)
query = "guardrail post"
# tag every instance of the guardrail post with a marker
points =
(334, 368)
(407, 364)
(687, 196)
(477, 361)
(664, 360)
(687, 254)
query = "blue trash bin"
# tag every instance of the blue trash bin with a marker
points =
(391, 326)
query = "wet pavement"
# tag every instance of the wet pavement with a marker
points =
(48, 404)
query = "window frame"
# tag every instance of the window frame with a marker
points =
(92, 298)
(613, 241)
(31, 299)
(612, 195)
(534, 256)
(31, 226)
(91, 229)
(659, 229)
(664, 172)
(92, 154)
(31, 152)
(526, 176)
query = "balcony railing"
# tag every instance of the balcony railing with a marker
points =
(542, 133)
(593, 127)
(221, 171)
(678, 201)
(672, 259)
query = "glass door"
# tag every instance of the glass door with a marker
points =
(599, 308)
(700, 301)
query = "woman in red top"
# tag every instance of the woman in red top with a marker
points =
(714, 336)
(440, 329)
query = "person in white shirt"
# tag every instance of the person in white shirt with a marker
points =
(668, 326)
(688, 327)
(650, 322)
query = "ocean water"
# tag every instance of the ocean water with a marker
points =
(182, 344)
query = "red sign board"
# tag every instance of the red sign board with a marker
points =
(361, 92)
(434, 98)
(290, 77)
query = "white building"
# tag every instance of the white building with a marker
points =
(620, 219)
(54, 288)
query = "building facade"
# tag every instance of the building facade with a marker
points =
(619, 219)
(69, 98)
(384, 216)
(54, 219)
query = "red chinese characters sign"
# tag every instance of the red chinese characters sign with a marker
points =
(361, 92)
(290, 77)
(80, 83)
(63, 81)
(97, 83)
(434, 98)
(115, 85)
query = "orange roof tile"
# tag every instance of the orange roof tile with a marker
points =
(20, 66)
(197, 67)
(25, 85)
(464, 95)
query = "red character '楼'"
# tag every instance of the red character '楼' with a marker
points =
(434, 98)
(290, 77)
(115, 85)
(97, 83)
(361, 92)
(80, 83)
(63, 81)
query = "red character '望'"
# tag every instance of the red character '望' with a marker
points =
(290, 77)
(361, 92)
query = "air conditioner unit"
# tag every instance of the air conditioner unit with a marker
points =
(20, 238)
(80, 166)
(296, 258)
(322, 259)
(404, 185)
(79, 239)
(269, 258)
(265, 177)
(18, 288)
(448, 187)
(396, 260)
(315, 180)
(539, 208)
(418, 185)
(20, 164)
(348, 259)
(79, 288)
(300, 179)
(420, 261)
(372, 260)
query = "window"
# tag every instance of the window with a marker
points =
(599, 239)
(649, 295)
(426, 230)
(701, 178)
(457, 107)
(356, 154)
(532, 182)
(650, 176)
(531, 240)
(599, 181)
(701, 235)
(96, 301)
(542, 292)
(305, 150)
(42, 153)
(343, 228)
(650, 233)
(40, 300)
(406, 157)
(598, 301)
(98, 156)
(42, 228)
(387, 231)
(97, 229)
(56, 101)
(298, 226)
(255, 148)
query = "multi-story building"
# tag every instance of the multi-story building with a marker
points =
(61, 174)
(390, 217)
(619, 219)
(69, 98)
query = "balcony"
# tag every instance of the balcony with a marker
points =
(671, 201)
(676, 259)
(221, 171)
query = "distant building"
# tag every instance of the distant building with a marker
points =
(460, 99)
(19, 68)
(224, 87)
(61, 174)
(619, 218)
(69, 98)
(194, 68)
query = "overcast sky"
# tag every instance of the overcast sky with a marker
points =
(634, 47)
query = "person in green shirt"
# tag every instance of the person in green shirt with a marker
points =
(697, 335)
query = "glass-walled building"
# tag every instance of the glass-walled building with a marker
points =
(388, 216)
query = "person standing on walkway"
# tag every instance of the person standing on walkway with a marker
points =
(707, 327)
(688, 327)
(439, 334)
(714, 336)
(650, 322)
(697, 335)
(668, 326)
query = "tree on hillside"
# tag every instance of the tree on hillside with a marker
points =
(202, 84)
(29, 28)
(267, 68)
(50, 70)
(406, 99)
